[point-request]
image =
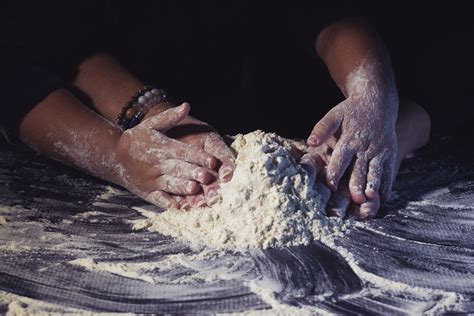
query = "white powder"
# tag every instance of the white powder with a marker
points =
(270, 202)
(20, 305)
(122, 269)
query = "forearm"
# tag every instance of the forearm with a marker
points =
(62, 128)
(353, 53)
(108, 84)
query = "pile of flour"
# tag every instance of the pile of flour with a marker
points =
(270, 202)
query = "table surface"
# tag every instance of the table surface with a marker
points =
(418, 257)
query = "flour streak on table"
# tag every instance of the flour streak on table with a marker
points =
(67, 243)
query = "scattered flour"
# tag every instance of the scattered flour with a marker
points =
(15, 246)
(270, 202)
(110, 191)
(19, 305)
(90, 214)
(122, 269)
(444, 300)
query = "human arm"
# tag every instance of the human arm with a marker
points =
(64, 129)
(364, 123)
(110, 85)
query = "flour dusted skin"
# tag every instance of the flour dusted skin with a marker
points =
(270, 202)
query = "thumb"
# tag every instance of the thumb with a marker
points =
(325, 128)
(167, 119)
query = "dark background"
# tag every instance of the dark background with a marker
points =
(247, 65)
(287, 88)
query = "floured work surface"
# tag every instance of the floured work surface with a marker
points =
(67, 245)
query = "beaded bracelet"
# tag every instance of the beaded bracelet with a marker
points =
(135, 109)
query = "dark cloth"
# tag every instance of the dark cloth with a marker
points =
(239, 63)
(24, 86)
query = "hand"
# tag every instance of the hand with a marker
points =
(338, 203)
(367, 136)
(197, 133)
(155, 165)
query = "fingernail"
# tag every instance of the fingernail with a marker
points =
(191, 187)
(211, 200)
(225, 174)
(313, 141)
(211, 162)
(201, 203)
(202, 176)
(211, 193)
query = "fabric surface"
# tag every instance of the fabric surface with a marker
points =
(416, 258)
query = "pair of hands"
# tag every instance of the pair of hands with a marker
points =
(173, 160)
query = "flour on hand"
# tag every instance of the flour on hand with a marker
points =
(270, 202)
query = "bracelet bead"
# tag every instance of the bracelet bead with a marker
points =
(135, 109)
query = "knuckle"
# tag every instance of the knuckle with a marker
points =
(153, 172)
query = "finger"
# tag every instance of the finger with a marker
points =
(374, 176)
(387, 179)
(185, 170)
(178, 198)
(175, 185)
(308, 162)
(194, 201)
(358, 180)
(216, 146)
(162, 200)
(211, 193)
(340, 160)
(331, 142)
(324, 193)
(368, 209)
(339, 202)
(325, 128)
(313, 164)
(182, 151)
(167, 119)
(296, 153)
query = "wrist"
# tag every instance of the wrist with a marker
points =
(113, 170)
(371, 83)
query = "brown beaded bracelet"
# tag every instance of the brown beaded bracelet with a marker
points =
(135, 109)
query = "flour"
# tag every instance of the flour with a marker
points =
(444, 300)
(122, 269)
(270, 202)
(19, 305)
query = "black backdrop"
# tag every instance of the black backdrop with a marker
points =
(431, 46)
(245, 65)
